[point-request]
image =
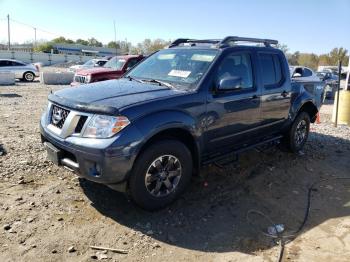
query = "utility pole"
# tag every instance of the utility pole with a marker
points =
(115, 39)
(34, 37)
(337, 106)
(8, 32)
(348, 76)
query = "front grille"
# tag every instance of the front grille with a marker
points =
(79, 79)
(80, 124)
(58, 116)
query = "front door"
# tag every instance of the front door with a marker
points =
(233, 116)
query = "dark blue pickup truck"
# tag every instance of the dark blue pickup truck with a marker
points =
(194, 103)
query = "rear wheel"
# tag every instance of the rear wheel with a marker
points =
(160, 174)
(297, 136)
(28, 77)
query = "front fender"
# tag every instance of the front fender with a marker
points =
(154, 123)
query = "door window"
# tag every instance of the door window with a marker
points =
(4, 63)
(237, 65)
(271, 70)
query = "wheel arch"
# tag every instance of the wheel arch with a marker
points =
(176, 133)
(310, 108)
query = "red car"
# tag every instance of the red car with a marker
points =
(113, 69)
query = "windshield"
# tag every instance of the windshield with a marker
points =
(90, 62)
(180, 67)
(116, 63)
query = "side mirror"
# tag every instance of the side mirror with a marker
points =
(96, 65)
(230, 83)
(296, 75)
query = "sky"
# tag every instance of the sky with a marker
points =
(303, 25)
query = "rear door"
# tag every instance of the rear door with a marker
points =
(18, 68)
(276, 90)
(233, 117)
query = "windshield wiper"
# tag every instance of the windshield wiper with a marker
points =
(134, 79)
(161, 83)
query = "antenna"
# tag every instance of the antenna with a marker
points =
(115, 38)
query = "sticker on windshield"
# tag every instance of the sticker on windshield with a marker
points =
(202, 58)
(166, 56)
(179, 73)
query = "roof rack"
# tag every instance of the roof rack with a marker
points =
(180, 41)
(229, 39)
(224, 42)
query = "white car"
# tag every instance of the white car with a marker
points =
(89, 64)
(23, 71)
(302, 73)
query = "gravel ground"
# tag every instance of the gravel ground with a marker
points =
(48, 214)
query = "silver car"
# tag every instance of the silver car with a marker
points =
(23, 71)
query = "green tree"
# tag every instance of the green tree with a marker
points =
(94, 42)
(338, 54)
(308, 60)
(62, 40)
(149, 46)
(283, 47)
(293, 58)
(81, 42)
(44, 47)
(113, 44)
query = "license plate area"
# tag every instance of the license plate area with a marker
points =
(53, 153)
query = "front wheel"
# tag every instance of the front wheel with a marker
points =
(297, 136)
(160, 174)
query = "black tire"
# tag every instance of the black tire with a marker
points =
(297, 135)
(28, 77)
(178, 156)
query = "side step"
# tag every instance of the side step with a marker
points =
(233, 155)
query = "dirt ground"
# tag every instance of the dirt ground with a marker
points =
(48, 214)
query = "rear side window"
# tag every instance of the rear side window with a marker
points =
(307, 72)
(271, 70)
(132, 63)
(16, 63)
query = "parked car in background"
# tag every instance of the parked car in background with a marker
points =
(22, 71)
(310, 81)
(194, 103)
(113, 69)
(330, 80)
(89, 64)
(302, 73)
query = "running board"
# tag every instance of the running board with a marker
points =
(234, 153)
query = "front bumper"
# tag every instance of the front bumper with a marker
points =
(99, 160)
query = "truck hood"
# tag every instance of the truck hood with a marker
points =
(108, 97)
(97, 70)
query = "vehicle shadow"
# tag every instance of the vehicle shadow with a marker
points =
(10, 95)
(212, 215)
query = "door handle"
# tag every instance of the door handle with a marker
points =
(284, 93)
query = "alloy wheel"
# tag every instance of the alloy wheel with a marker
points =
(301, 132)
(163, 175)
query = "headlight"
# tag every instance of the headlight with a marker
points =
(101, 126)
(88, 79)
